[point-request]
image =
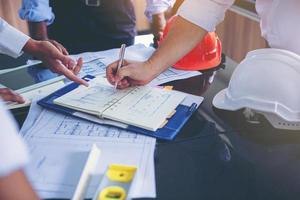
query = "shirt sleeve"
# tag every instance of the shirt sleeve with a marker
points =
(157, 6)
(12, 40)
(205, 13)
(14, 154)
(36, 11)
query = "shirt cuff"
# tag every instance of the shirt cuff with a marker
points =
(37, 13)
(205, 13)
(154, 8)
(12, 41)
(155, 11)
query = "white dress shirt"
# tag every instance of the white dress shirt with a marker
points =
(12, 40)
(205, 13)
(279, 19)
(14, 155)
(157, 6)
(280, 23)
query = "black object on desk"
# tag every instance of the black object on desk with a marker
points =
(202, 167)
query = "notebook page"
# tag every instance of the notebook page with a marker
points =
(145, 107)
(94, 99)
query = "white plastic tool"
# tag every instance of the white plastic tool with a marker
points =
(267, 81)
(87, 172)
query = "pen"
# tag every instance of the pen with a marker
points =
(120, 63)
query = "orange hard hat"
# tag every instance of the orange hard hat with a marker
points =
(206, 55)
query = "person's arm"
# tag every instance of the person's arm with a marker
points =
(39, 15)
(54, 59)
(14, 42)
(36, 11)
(13, 158)
(155, 12)
(15, 186)
(183, 37)
(196, 18)
(158, 25)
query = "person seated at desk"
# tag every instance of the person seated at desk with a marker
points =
(279, 26)
(86, 25)
(13, 42)
(13, 158)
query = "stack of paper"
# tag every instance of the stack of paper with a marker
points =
(95, 63)
(59, 146)
(139, 52)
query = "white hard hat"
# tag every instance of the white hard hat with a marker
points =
(267, 81)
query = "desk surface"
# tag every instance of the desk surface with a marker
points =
(219, 155)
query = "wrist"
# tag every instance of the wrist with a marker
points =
(152, 69)
(158, 17)
(159, 20)
(158, 25)
(32, 47)
(38, 30)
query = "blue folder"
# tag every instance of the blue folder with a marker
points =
(168, 132)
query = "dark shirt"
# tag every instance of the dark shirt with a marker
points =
(77, 24)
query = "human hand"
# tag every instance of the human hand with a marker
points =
(55, 60)
(8, 95)
(131, 74)
(59, 46)
(39, 31)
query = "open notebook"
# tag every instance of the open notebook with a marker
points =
(144, 106)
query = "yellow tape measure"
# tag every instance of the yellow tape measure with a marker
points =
(116, 183)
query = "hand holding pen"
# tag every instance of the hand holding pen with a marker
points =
(120, 62)
(123, 73)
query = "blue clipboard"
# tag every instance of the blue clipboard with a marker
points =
(168, 132)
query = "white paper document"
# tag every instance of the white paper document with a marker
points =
(95, 63)
(172, 74)
(59, 146)
(136, 52)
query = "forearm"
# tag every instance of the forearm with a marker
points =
(31, 47)
(38, 30)
(182, 38)
(158, 25)
(16, 187)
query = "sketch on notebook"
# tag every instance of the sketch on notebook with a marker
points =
(152, 102)
(96, 98)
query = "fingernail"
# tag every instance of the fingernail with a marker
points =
(72, 63)
(22, 100)
(86, 84)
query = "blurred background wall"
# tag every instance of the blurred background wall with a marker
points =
(9, 12)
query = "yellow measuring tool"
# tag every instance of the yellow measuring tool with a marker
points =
(116, 183)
